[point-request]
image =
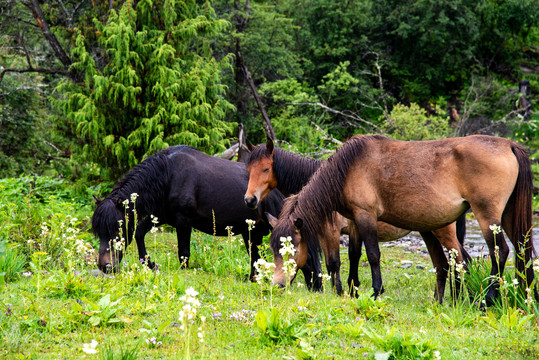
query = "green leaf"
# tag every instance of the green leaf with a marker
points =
(261, 320)
(94, 320)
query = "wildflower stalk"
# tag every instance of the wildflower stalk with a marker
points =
(187, 315)
(287, 251)
(250, 226)
(264, 273)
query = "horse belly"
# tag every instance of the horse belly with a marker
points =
(418, 217)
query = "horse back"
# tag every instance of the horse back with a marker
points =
(408, 179)
(208, 192)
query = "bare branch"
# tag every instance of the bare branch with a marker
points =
(31, 69)
(51, 38)
(270, 133)
(326, 136)
(349, 116)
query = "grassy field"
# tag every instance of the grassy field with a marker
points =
(56, 305)
(58, 311)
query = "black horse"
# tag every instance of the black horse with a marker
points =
(186, 189)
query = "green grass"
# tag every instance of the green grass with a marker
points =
(135, 314)
(56, 317)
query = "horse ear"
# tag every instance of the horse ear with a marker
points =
(271, 219)
(298, 223)
(250, 146)
(269, 146)
(97, 200)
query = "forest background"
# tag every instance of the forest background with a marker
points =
(90, 88)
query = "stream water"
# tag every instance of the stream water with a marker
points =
(474, 243)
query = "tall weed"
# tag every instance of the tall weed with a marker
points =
(11, 261)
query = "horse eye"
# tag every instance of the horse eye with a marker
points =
(266, 170)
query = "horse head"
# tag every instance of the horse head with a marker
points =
(290, 251)
(261, 175)
(109, 225)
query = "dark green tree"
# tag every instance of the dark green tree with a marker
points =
(152, 84)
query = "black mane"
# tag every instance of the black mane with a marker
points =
(149, 180)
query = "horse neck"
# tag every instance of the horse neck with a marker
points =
(292, 171)
(149, 181)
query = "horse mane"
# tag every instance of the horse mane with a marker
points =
(318, 201)
(149, 180)
(291, 171)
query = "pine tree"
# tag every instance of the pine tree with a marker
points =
(151, 83)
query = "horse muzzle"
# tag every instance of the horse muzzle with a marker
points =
(251, 202)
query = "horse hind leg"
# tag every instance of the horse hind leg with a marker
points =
(498, 251)
(523, 249)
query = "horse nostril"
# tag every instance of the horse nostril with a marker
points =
(251, 202)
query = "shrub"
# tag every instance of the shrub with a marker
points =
(413, 123)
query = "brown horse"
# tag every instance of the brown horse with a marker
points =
(420, 186)
(271, 168)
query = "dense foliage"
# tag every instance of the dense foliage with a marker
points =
(137, 76)
(157, 85)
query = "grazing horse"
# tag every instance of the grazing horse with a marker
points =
(273, 168)
(417, 185)
(186, 189)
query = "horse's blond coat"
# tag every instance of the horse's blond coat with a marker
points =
(420, 186)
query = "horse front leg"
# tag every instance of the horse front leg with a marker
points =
(439, 261)
(184, 245)
(354, 254)
(329, 242)
(251, 245)
(368, 232)
(142, 229)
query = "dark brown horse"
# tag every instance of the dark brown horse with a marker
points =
(420, 186)
(186, 189)
(273, 168)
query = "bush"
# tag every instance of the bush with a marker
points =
(413, 123)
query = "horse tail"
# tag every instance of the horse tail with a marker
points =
(521, 221)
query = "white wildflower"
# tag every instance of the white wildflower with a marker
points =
(90, 348)
(250, 224)
(496, 229)
(287, 247)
